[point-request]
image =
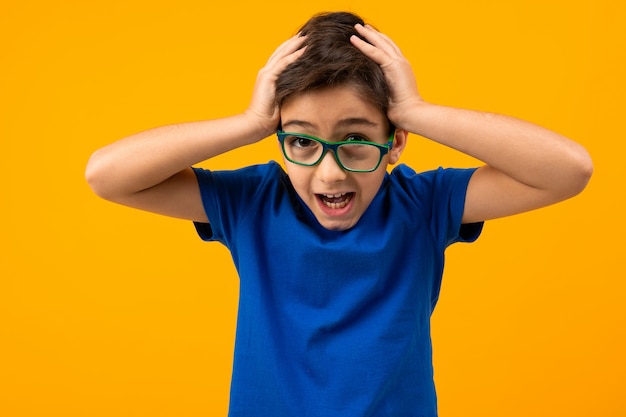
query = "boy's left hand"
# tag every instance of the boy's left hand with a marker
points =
(526, 166)
(397, 70)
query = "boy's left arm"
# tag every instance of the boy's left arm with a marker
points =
(527, 166)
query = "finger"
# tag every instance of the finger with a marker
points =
(268, 74)
(289, 46)
(378, 39)
(375, 53)
(288, 59)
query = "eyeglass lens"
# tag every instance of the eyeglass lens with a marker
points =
(357, 156)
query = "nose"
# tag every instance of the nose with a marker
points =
(329, 171)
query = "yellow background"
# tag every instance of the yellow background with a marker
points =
(107, 311)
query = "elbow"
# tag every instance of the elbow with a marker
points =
(580, 173)
(96, 176)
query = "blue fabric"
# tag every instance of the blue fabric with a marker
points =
(335, 323)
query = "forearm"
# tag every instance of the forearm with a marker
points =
(146, 159)
(527, 166)
(528, 153)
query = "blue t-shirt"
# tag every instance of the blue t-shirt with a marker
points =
(335, 323)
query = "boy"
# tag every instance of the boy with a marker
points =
(340, 262)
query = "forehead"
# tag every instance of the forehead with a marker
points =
(331, 108)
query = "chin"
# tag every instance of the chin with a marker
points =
(337, 226)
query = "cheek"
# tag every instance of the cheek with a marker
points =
(370, 185)
(299, 178)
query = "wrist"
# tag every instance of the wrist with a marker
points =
(407, 116)
(261, 126)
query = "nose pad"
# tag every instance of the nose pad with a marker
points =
(329, 170)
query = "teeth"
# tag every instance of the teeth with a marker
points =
(336, 201)
(336, 205)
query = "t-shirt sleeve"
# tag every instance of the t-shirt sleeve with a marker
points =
(227, 196)
(439, 196)
(458, 231)
(449, 192)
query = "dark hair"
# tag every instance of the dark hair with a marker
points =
(330, 60)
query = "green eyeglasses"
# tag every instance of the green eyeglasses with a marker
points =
(356, 154)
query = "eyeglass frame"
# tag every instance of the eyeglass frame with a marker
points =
(334, 146)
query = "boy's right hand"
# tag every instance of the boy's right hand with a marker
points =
(263, 109)
(151, 170)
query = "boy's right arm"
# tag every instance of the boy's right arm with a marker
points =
(152, 170)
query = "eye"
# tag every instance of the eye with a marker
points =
(356, 138)
(300, 142)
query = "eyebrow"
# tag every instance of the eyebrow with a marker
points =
(343, 123)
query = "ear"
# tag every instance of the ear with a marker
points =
(399, 143)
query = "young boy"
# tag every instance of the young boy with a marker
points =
(340, 262)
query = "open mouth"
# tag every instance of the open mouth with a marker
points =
(335, 201)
